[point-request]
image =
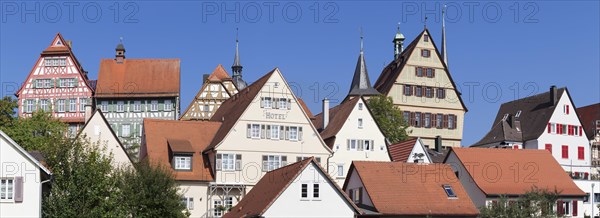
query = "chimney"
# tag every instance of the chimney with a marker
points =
(204, 78)
(438, 143)
(553, 95)
(511, 120)
(88, 112)
(325, 113)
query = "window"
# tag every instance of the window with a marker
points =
(419, 71)
(188, 202)
(168, 105)
(82, 104)
(427, 123)
(406, 116)
(352, 144)
(425, 38)
(438, 123)
(417, 119)
(274, 131)
(564, 129)
(449, 191)
(282, 103)
(267, 102)
(6, 189)
(580, 153)
(429, 72)
(368, 145)
(39, 83)
(61, 105)
(154, 105)
(565, 152)
(575, 130)
(293, 133)
(104, 106)
(355, 195)
(137, 106)
(360, 106)
(315, 190)
(451, 124)
(340, 170)
(183, 162)
(418, 91)
(44, 104)
(272, 162)
(425, 53)
(72, 130)
(255, 131)
(549, 148)
(120, 106)
(407, 90)
(72, 105)
(428, 92)
(29, 105)
(553, 128)
(441, 93)
(304, 191)
(217, 212)
(206, 108)
(228, 162)
(125, 130)
(360, 123)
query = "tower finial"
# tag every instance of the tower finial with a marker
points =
(237, 30)
(361, 40)
(425, 23)
(121, 39)
(237, 66)
(398, 42)
(398, 29)
(444, 55)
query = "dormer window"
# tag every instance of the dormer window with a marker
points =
(449, 191)
(182, 162)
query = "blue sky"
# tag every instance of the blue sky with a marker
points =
(516, 48)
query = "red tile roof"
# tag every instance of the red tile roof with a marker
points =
(306, 109)
(394, 192)
(588, 116)
(401, 150)
(158, 134)
(538, 168)
(219, 74)
(337, 117)
(138, 78)
(271, 185)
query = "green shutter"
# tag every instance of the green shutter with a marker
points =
(161, 105)
(34, 81)
(120, 131)
(111, 106)
(52, 81)
(143, 105)
(76, 82)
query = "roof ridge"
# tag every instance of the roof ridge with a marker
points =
(533, 96)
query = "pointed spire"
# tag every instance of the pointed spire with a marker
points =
(237, 66)
(361, 85)
(444, 55)
(120, 51)
(398, 42)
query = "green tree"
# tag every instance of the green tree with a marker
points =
(150, 191)
(535, 203)
(8, 106)
(389, 118)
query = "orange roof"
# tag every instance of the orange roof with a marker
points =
(159, 133)
(538, 168)
(337, 118)
(138, 78)
(271, 185)
(306, 109)
(219, 74)
(401, 150)
(393, 191)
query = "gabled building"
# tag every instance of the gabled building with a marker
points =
(590, 120)
(351, 132)
(420, 84)
(361, 85)
(58, 84)
(129, 90)
(410, 151)
(97, 131)
(489, 174)
(179, 145)
(305, 185)
(264, 127)
(217, 87)
(23, 179)
(399, 189)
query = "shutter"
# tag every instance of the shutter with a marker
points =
(264, 163)
(218, 163)
(360, 193)
(432, 73)
(567, 109)
(283, 161)
(262, 102)
(287, 132)
(574, 208)
(120, 127)
(275, 103)
(67, 105)
(143, 106)
(445, 122)
(281, 133)
(580, 130)
(75, 82)
(262, 131)
(161, 105)
(299, 133)
(455, 122)
(18, 189)
(348, 144)
(238, 162)
(52, 83)
(412, 119)
(248, 129)
(549, 128)
(268, 131)
(289, 104)
(558, 129)
(372, 145)
(423, 119)
(559, 208)
(34, 83)
(417, 71)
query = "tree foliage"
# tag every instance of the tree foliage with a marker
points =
(389, 118)
(535, 203)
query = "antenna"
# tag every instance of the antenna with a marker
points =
(425, 23)
(237, 30)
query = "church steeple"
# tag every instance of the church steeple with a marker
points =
(444, 55)
(398, 43)
(120, 52)
(236, 68)
(361, 85)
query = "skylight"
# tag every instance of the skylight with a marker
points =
(449, 191)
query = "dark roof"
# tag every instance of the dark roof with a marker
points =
(401, 150)
(502, 132)
(120, 47)
(180, 145)
(93, 84)
(138, 78)
(535, 112)
(271, 185)
(231, 109)
(337, 117)
(38, 156)
(361, 85)
(390, 73)
(437, 157)
(589, 115)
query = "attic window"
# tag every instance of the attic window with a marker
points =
(425, 53)
(449, 191)
(426, 38)
(505, 116)
(518, 114)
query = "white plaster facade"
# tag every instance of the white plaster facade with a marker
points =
(419, 150)
(98, 131)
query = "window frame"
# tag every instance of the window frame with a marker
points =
(360, 123)
(216, 211)
(254, 130)
(29, 105)
(340, 170)
(137, 106)
(182, 157)
(273, 162)
(282, 102)
(449, 191)
(226, 163)
(154, 105)
(61, 104)
(275, 132)
(293, 132)
(128, 130)
(426, 53)
(316, 194)
(104, 106)
(9, 183)
(267, 102)
(304, 191)
(170, 105)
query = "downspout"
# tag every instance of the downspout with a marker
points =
(42, 193)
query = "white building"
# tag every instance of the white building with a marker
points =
(23, 179)
(302, 189)
(351, 132)
(410, 151)
(97, 131)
